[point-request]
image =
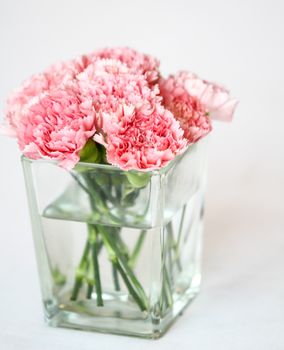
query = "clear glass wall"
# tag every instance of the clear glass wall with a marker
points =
(117, 251)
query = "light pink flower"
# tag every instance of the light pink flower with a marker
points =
(191, 114)
(135, 128)
(137, 62)
(112, 96)
(112, 84)
(64, 72)
(215, 98)
(53, 77)
(56, 125)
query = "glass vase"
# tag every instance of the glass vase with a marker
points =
(117, 251)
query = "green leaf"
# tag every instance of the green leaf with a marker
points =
(138, 180)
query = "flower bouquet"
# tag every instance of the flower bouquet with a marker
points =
(114, 159)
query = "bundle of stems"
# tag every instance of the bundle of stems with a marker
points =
(105, 192)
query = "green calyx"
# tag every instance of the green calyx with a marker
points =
(91, 152)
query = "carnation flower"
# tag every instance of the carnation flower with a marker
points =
(111, 77)
(52, 78)
(111, 84)
(115, 97)
(215, 98)
(135, 128)
(56, 125)
(188, 110)
(137, 62)
(143, 141)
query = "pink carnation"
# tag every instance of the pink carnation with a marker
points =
(137, 62)
(52, 78)
(112, 96)
(56, 125)
(112, 84)
(143, 141)
(136, 130)
(109, 78)
(215, 98)
(191, 114)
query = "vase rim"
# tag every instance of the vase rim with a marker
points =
(108, 167)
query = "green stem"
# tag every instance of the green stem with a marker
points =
(124, 251)
(168, 252)
(117, 250)
(96, 201)
(76, 288)
(91, 273)
(174, 245)
(80, 273)
(89, 291)
(132, 291)
(181, 226)
(104, 189)
(124, 263)
(166, 299)
(137, 249)
(119, 259)
(120, 244)
(90, 279)
(94, 245)
(168, 290)
(115, 277)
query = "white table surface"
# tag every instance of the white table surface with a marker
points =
(239, 43)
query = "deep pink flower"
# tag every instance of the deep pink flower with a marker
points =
(56, 125)
(191, 114)
(215, 98)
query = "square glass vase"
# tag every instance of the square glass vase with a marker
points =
(117, 251)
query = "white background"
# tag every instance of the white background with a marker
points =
(238, 43)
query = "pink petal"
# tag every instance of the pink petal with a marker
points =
(225, 112)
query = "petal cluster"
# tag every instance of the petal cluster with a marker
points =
(143, 141)
(137, 131)
(116, 97)
(214, 97)
(56, 125)
(137, 62)
(188, 110)
(50, 79)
